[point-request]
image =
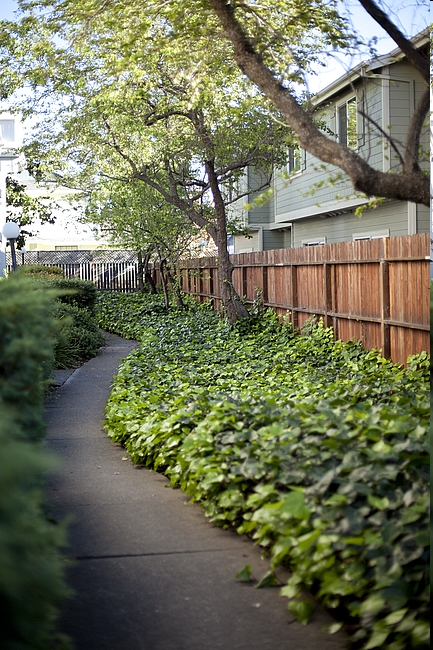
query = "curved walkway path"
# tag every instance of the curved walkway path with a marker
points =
(149, 571)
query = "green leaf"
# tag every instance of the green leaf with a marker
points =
(372, 605)
(245, 574)
(290, 591)
(377, 639)
(421, 633)
(302, 609)
(396, 616)
(381, 448)
(307, 540)
(377, 502)
(268, 580)
(333, 628)
(294, 504)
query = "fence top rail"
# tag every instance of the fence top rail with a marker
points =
(77, 256)
(404, 248)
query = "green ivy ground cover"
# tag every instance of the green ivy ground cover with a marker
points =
(317, 449)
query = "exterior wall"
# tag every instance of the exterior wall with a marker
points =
(273, 239)
(259, 215)
(405, 90)
(392, 216)
(423, 219)
(308, 188)
(288, 238)
(247, 244)
(375, 88)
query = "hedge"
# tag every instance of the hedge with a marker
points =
(31, 568)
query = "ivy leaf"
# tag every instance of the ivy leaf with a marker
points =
(395, 617)
(372, 605)
(377, 502)
(268, 580)
(380, 633)
(381, 448)
(333, 628)
(294, 503)
(302, 609)
(245, 574)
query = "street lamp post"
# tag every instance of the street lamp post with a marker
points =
(23, 252)
(11, 231)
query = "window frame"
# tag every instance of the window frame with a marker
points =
(370, 235)
(353, 99)
(317, 241)
(10, 125)
(302, 159)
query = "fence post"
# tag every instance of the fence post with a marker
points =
(265, 284)
(294, 287)
(385, 308)
(200, 282)
(327, 292)
(244, 281)
(211, 282)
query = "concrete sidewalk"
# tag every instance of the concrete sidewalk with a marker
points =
(150, 572)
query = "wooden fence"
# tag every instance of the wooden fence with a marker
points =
(374, 291)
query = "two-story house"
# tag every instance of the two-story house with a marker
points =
(315, 204)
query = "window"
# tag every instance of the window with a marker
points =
(295, 160)
(347, 123)
(66, 248)
(374, 234)
(319, 241)
(7, 130)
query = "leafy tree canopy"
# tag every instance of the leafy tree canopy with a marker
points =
(25, 210)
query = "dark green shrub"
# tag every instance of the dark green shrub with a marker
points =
(31, 569)
(75, 332)
(80, 293)
(41, 271)
(78, 337)
(26, 350)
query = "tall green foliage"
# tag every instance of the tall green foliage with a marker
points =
(26, 350)
(136, 105)
(31, 569)
(26, 210)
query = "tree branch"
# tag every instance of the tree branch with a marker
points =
(416, 58)
(411, 163)
(173, 198)
(412, 186)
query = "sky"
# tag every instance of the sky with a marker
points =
(411, 16)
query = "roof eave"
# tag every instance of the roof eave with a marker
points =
(367, 66)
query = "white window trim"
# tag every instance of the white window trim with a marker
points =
(372, 234)
(360, 127)
(317, 241)
(412, 212)
(303, 167)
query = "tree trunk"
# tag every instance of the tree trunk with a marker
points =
(151, 282)
(176, 288)
(164, 283)
(140, 271)
(148, 275)
(234, 307)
